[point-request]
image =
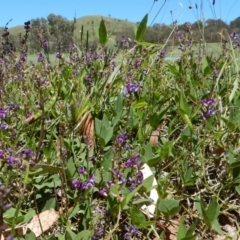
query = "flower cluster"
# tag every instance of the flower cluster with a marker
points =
(40, 57)
(125, 42)
(16, 159)
(207, 110)
(122, 141)
(131, 88)
(5, 113)
(185, 41)
(131, 232)
(235, 39)
(79, 185)
(27, 25)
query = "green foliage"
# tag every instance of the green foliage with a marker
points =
(141, 29)
(116, 138)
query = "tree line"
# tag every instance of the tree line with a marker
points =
(58, 32)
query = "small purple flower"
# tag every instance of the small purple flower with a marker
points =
(92, 179)
(58, 55)
(140, 178)
(121, 139)
(137, 63)
(81, 170)
(90, 183)
(40, 57)
(10, 151)
(127, 236)
(132, 87)
(133, 230)
(132, 187)
(4, 126)
(180, 35)
(207, 102)
(28, 152)
(103, 192)
(1, 154)
(45, 43)
(71, 47)
(132, 161)
(12, 160)
(235, 39)
(3, 112)
(76, 183)
(162, 53)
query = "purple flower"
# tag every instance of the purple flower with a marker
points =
(103, 192)
(40, 57)
(162, 53)
(90, 183)
(71, 47)
(131, 87)
(12, 160)
(76, 183)
(180, 35)
(1, 154)
(140, 177)
(132, 187)
(207, 102)
(132, 161)
(43, 43)
(127, 236)
(81, 170)
(4, 126)
(137, 63)
(3, 112)
(11, 237)
(121, 139)
(92, 179)
(58, 55)
(133, 230)
(207, 114)
(28, 152)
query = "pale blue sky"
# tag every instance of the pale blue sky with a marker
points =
(133, 10)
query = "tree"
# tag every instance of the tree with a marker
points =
(61, 31)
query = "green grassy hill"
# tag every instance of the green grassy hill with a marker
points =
(91, 24)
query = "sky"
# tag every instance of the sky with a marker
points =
(162, 11)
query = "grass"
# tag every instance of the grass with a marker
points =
(121, 144)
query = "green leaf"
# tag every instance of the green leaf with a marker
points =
(73, 211)
(40, 169)
(29, 215)
(139, 104)
(103, 130)
(142, 29)
(191, 230)
(186, 118)
(153, 161)
(148, 153)
(70, 235)
(102, 33)
(237, 188)
(169, 207)
(83, 235)
(137, 217)
(166, 149)
(30, 235)
(201, 206)
(51, 203)
(216, 226)
(182, 229)
(183, 104)
(213, 210)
